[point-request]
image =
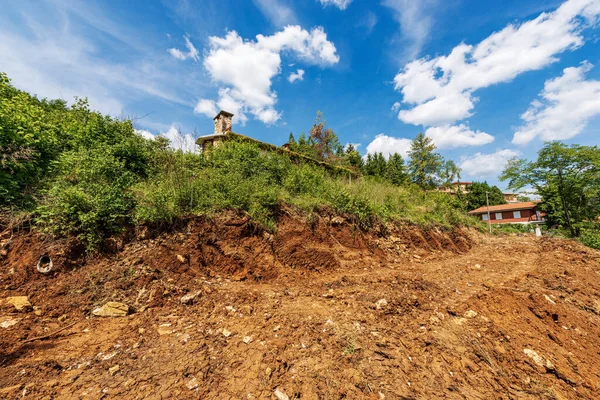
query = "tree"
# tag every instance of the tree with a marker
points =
(424, 165)
(449, 172)
(325, 141)
(567, 178)
(352, 157)
(375, 165)
(476, 196)
(394, 171)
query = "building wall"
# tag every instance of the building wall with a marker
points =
(508, 216)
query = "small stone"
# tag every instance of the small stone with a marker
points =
(230, 309)
(381, 303)
(181, 258)
(268, 372)
(538, 360)
(470, 314)
(276, 328)
(38, 311)
(20, 303)
(62, 318)
(281, 395)
(477, 266)
(8, 322)
(192, 384)
(113, 370)
(190, 297)
(247, 339)
(226, 333)
(112, 309)
(164, 329)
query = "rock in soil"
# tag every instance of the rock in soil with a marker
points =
(112, 309)
(20, 303)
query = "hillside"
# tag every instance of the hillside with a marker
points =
(219, 309)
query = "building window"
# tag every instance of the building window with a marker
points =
(484, 217)
(516, 214)
(498, 215)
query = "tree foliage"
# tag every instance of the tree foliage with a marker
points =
(425, 166)
(567, 178)
(476, 196)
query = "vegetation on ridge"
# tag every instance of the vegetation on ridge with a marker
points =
(80, 173)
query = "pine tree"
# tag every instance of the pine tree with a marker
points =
(395, 172)
(424, 166)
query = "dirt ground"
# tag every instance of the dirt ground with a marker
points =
(319, 310)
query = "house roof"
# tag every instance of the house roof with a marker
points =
(225, 113)
(204, 138)
(528, 205)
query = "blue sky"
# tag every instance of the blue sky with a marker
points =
(487, 80)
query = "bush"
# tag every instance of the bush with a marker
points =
(591, 238)
(88, 197)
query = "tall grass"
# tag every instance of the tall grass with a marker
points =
(240, 175)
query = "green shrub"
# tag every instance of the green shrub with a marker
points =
(88, 197)
(591, 238)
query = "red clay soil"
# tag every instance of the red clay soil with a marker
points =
(320, 310)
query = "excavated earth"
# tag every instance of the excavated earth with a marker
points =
(219, 309)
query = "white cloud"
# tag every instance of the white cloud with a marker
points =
(206, 107)
(396, 106)
(416, 20)
(144, 133)
(454, 136)
(440, 89)
(564, 109)
(296, 76)
(180, 141)
(177, 140)
(482, 165)
(279, 14)
(341, 4)
(389, 145)
(246, 68)
(191, 53)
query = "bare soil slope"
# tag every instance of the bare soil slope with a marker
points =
(318, 311)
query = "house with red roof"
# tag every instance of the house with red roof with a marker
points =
(512, 213)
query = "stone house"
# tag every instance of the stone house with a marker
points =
(223, 123)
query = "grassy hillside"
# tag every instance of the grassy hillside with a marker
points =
(77, 172)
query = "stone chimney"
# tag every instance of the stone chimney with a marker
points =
(223, 122)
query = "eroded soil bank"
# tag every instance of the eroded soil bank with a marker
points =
(320, 310)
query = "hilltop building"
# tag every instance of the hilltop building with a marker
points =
(223, 124)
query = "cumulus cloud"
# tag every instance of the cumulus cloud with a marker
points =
(454, 136)
(192, 53)
(177, 140)
(389, 145)
(563, 109)
(206, 107)
(440, 90)
(180, 141)
(482, 165)
(296, 76)
(341, 4)
(246, 68)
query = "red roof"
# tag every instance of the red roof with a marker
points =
(528, 205)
